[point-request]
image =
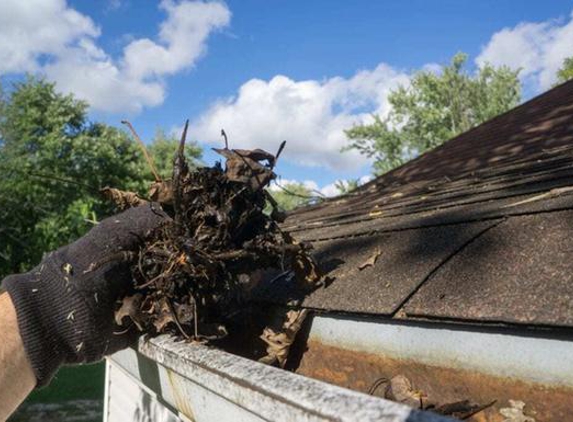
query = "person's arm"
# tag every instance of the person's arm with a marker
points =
(62, 311)
(16, 375)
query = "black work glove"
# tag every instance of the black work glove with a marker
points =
(65, 306)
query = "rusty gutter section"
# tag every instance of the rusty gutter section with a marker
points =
(447, 363)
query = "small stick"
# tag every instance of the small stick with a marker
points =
(183, 137)
(281, 147)
(195, 322)
(145, 153)
(59, 179)
(180, 168)
(176, 320)
(224, 135)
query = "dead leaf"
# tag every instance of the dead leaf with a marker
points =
(278, 343)
(371, 261)
(461, 409)
(130, 307)
(400, 390)
(515, 412)
(307, 273)
(243, 166)
(163, 315)
(122, 199)
(162, 192)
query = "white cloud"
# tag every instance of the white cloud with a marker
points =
(309, 184)
(311, 115)
(47, 36)
(365, 179)
(114, 5)
(332, 190)
(328, 190)
(32, 28)
(538, 48)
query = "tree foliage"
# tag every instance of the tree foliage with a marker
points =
(162, 149)
(435, 107)
(53, 161)
(566, 71)
(346, 186)
(292, 195)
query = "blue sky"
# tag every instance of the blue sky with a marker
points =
(270, 70)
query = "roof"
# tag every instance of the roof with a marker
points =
(478, 230)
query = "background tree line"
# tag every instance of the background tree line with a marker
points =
(53, 160)
(435, 107)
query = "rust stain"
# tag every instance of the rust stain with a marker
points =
(181, 403)
(359, 371)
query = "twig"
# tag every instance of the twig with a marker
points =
(281, 147)
(183, 137)
(145, 153)
(553, 193)
(179, 167)
(224, 135)
(377, 384)
(195, 319)
(319, 196)
(61, 179)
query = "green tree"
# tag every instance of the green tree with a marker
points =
(435, 107)
(566, 71)
(53, 162)
(346, 186)
(162, 149)
(292, 195)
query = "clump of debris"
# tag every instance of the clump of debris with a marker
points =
(193, 273)
(399, 388)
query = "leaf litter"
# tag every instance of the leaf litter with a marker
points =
(193, 274)
(400, 389)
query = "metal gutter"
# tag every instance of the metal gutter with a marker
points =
(448, 363)
(528, 358)
(205, 384)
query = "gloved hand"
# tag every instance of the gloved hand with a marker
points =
(65, 306)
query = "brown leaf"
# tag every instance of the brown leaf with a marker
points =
(278, 343)
(122, 199)
(162, 192)
(400, 389)
(163, 315)
(130, 307)
(307, 273)
(370, 261)
(242, 166)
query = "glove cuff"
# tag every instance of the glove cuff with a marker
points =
(40, 344)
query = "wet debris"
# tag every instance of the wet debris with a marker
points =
(515, 413)
(462, 409)
(400, 389)
(193, 274)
